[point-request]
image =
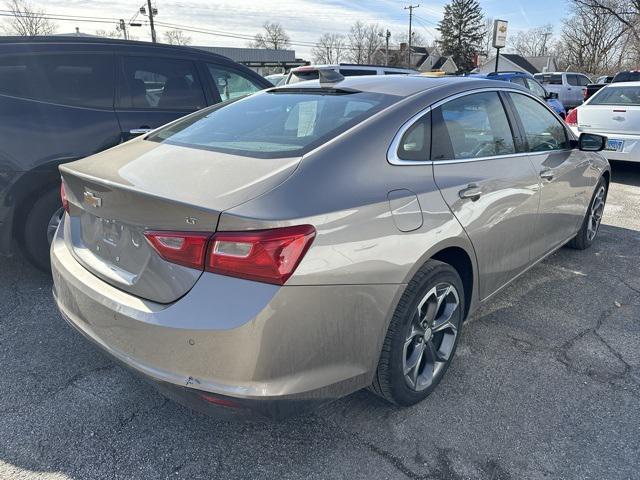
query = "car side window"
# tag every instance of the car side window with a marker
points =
(584, 81)
(231, 84)
(543, 131)
(518, 81)
(416, 141)
(68, 79)
(573, 80)
(160, 83)
(471, 126)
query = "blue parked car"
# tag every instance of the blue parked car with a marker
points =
(527, 81)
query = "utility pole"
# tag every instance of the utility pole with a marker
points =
(387, 35)
(123, 28)
(410, 8)
(152, 12)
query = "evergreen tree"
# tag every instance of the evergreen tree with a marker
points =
(462, 30)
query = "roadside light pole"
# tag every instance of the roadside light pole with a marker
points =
(151, 14)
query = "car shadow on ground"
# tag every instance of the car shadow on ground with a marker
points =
(627, 173)
(545, 372)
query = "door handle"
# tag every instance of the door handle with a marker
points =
(547, 174)
(139, 131)
(472, 192)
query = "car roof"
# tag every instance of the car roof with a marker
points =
(60, 40)
(398, 85)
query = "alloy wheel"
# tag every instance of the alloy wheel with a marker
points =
(432, 336)
(595, 213)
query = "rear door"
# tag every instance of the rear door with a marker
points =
(490, 186)
(563, 173)
(55, 105)
(153, 91)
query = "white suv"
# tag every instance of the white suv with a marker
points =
(569, 86)
(310, 72)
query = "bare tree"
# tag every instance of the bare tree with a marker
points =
(176, 37)
(364, 41)
(593, 41)
(26, 20)
(330, 48)
(487, 36)
(109, 33)
(626, 12)
(533, 42)
(417, 39)
(274, 36)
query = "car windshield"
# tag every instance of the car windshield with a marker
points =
(626, 77)
(617, 96)
(280, 123)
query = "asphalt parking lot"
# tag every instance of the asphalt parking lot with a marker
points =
(546, 384)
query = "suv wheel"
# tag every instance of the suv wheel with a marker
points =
(40, 226)
(422, 336)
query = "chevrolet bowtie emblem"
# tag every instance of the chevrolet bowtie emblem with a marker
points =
(92, 200)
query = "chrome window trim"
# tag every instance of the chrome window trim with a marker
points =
(392, 151)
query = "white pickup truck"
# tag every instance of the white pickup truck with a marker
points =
(569, 86)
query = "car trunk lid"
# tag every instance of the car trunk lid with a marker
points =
(119, 194)
(609, 119)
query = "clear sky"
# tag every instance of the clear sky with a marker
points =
(304, 20)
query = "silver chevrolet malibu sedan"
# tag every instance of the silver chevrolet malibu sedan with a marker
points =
(291, 247)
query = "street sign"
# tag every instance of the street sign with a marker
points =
(500, 33)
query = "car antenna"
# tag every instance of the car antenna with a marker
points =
(328, 76)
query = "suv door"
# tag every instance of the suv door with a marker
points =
(491, 188)
(563, 174)
(153, 91)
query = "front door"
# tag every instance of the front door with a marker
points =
(490, 187)
(564, 174)
(154, 91)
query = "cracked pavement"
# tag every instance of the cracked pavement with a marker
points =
(545, 385)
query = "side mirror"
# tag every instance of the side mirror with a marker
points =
(552, 95)
(590, 142)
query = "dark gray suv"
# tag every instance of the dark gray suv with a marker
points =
(62, 99)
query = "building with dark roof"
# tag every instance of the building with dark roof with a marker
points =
(509, 62)
(262, 60)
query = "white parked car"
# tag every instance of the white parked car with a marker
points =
(613, 111)
(310, 72)
(570, 87)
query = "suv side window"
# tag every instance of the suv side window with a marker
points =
(231, 84)
(416, 141)
(476, 126)
(542, 129)
(68, 79)
(572, 79)
(160, 83)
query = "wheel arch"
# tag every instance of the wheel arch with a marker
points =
(458, 258)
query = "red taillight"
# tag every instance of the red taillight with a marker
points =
(572, 117)
(184, 248)
(263, 255)
(63, 198)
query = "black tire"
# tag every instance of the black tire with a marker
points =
(584, 238)
(390, 381)
(36, 242)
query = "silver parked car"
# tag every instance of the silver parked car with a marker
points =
(311, 240)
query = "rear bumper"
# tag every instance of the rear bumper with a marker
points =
(271, 350)
(630, 151)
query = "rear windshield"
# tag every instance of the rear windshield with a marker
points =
(549, 78)
(303, 76)
(281, 123)
(617, 96)
(626, 77)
